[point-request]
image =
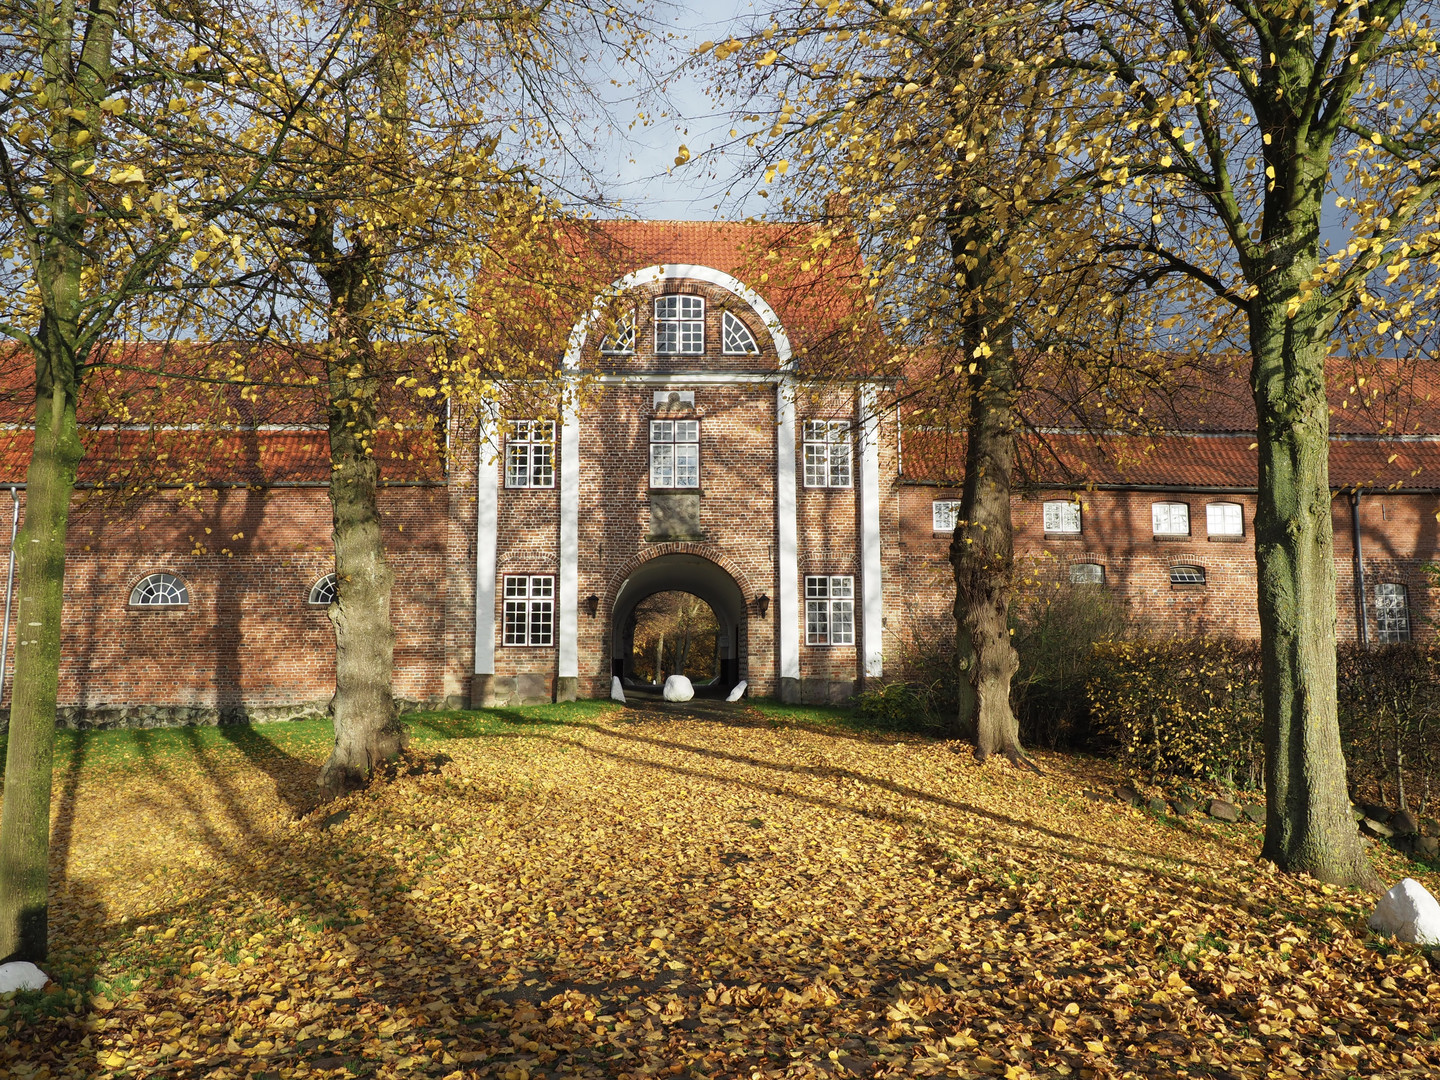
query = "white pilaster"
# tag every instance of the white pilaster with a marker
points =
(569, 583)
(788, 612)
(874, 597)
(487, 509)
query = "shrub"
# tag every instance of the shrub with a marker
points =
(1390, 721)
(1055, 636)
(1186, 707)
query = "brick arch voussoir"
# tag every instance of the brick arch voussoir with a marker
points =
(705, 551)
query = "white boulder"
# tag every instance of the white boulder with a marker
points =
(678, 688)
(21, 975)
(1408, 912)
(738, 692)
(617, 692)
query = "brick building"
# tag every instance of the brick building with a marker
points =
(710, 452)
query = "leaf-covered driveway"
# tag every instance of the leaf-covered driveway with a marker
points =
(631, 894)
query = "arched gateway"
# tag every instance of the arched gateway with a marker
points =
(690, 573)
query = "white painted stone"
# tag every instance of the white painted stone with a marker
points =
(738, 692)
(678, 688)
(617, 692)
(20, 975)
(1408, 912)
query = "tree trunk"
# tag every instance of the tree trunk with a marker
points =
(75, 86)
(40, 590)
(367, 726)
(1308, 825)
(982, 550)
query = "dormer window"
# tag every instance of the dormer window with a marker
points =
(679, 326)
(622, 341)
(736, 337)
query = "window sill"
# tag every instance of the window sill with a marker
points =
(685, 490)
(828, 487)
(1062, 536)
(1227, 539)
(1163, 538)
(1189, 586)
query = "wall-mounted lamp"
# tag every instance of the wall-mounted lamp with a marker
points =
(763, 603)
(592, 605)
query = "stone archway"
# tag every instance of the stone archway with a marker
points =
(689, 572)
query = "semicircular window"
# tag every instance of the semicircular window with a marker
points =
(1187, 575)
(160, 590)
(737, 338)
(322, 593)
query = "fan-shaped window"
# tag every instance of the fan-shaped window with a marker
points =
(1187, 575)
(736, 337)
(622, 341)
(322, 593)
(160, 590)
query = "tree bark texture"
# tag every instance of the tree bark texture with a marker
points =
(982, 551)
(367, 726)
(1308, 824)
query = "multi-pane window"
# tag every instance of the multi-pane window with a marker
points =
(1187, 575)
(945, 513)
(1392, 612)
(736, 338)
(323, 592)
(829, 611)
(827, 453)
(1170, 518)
(622, 341)
(1087, 573)
(674, 453)
(530, 455)
(529, 609)
(1224, 519)
(160, 590)
(679, 326)
(1062, 516)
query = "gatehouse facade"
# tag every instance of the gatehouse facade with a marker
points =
(703, 450)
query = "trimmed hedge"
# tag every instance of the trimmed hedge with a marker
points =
(1192, 708)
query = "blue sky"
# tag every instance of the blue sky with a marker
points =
(632, 163)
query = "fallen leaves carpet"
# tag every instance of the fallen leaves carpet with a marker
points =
(629, 893)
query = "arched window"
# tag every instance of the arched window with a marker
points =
(322, 593)
(736, 338)
(1187, 575)
(160, 590)
(1392, 612)
(1224, 519)
(1061, 517)
(1087, 573)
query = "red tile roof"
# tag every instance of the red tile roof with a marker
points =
(1208, 461)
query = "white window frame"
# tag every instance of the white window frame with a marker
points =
(736, 338)
(679, 325)
(829, 609)
(827, 454)
(944, 513)
(530, 455)
(1061, 517)
(622, 342)
(160, 589)
(528, 619)
(1392, 613)
(1164, 514)
(1078, 579)
(675, 454)
(324, 592)
(1187, 570)
(1220, 512)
